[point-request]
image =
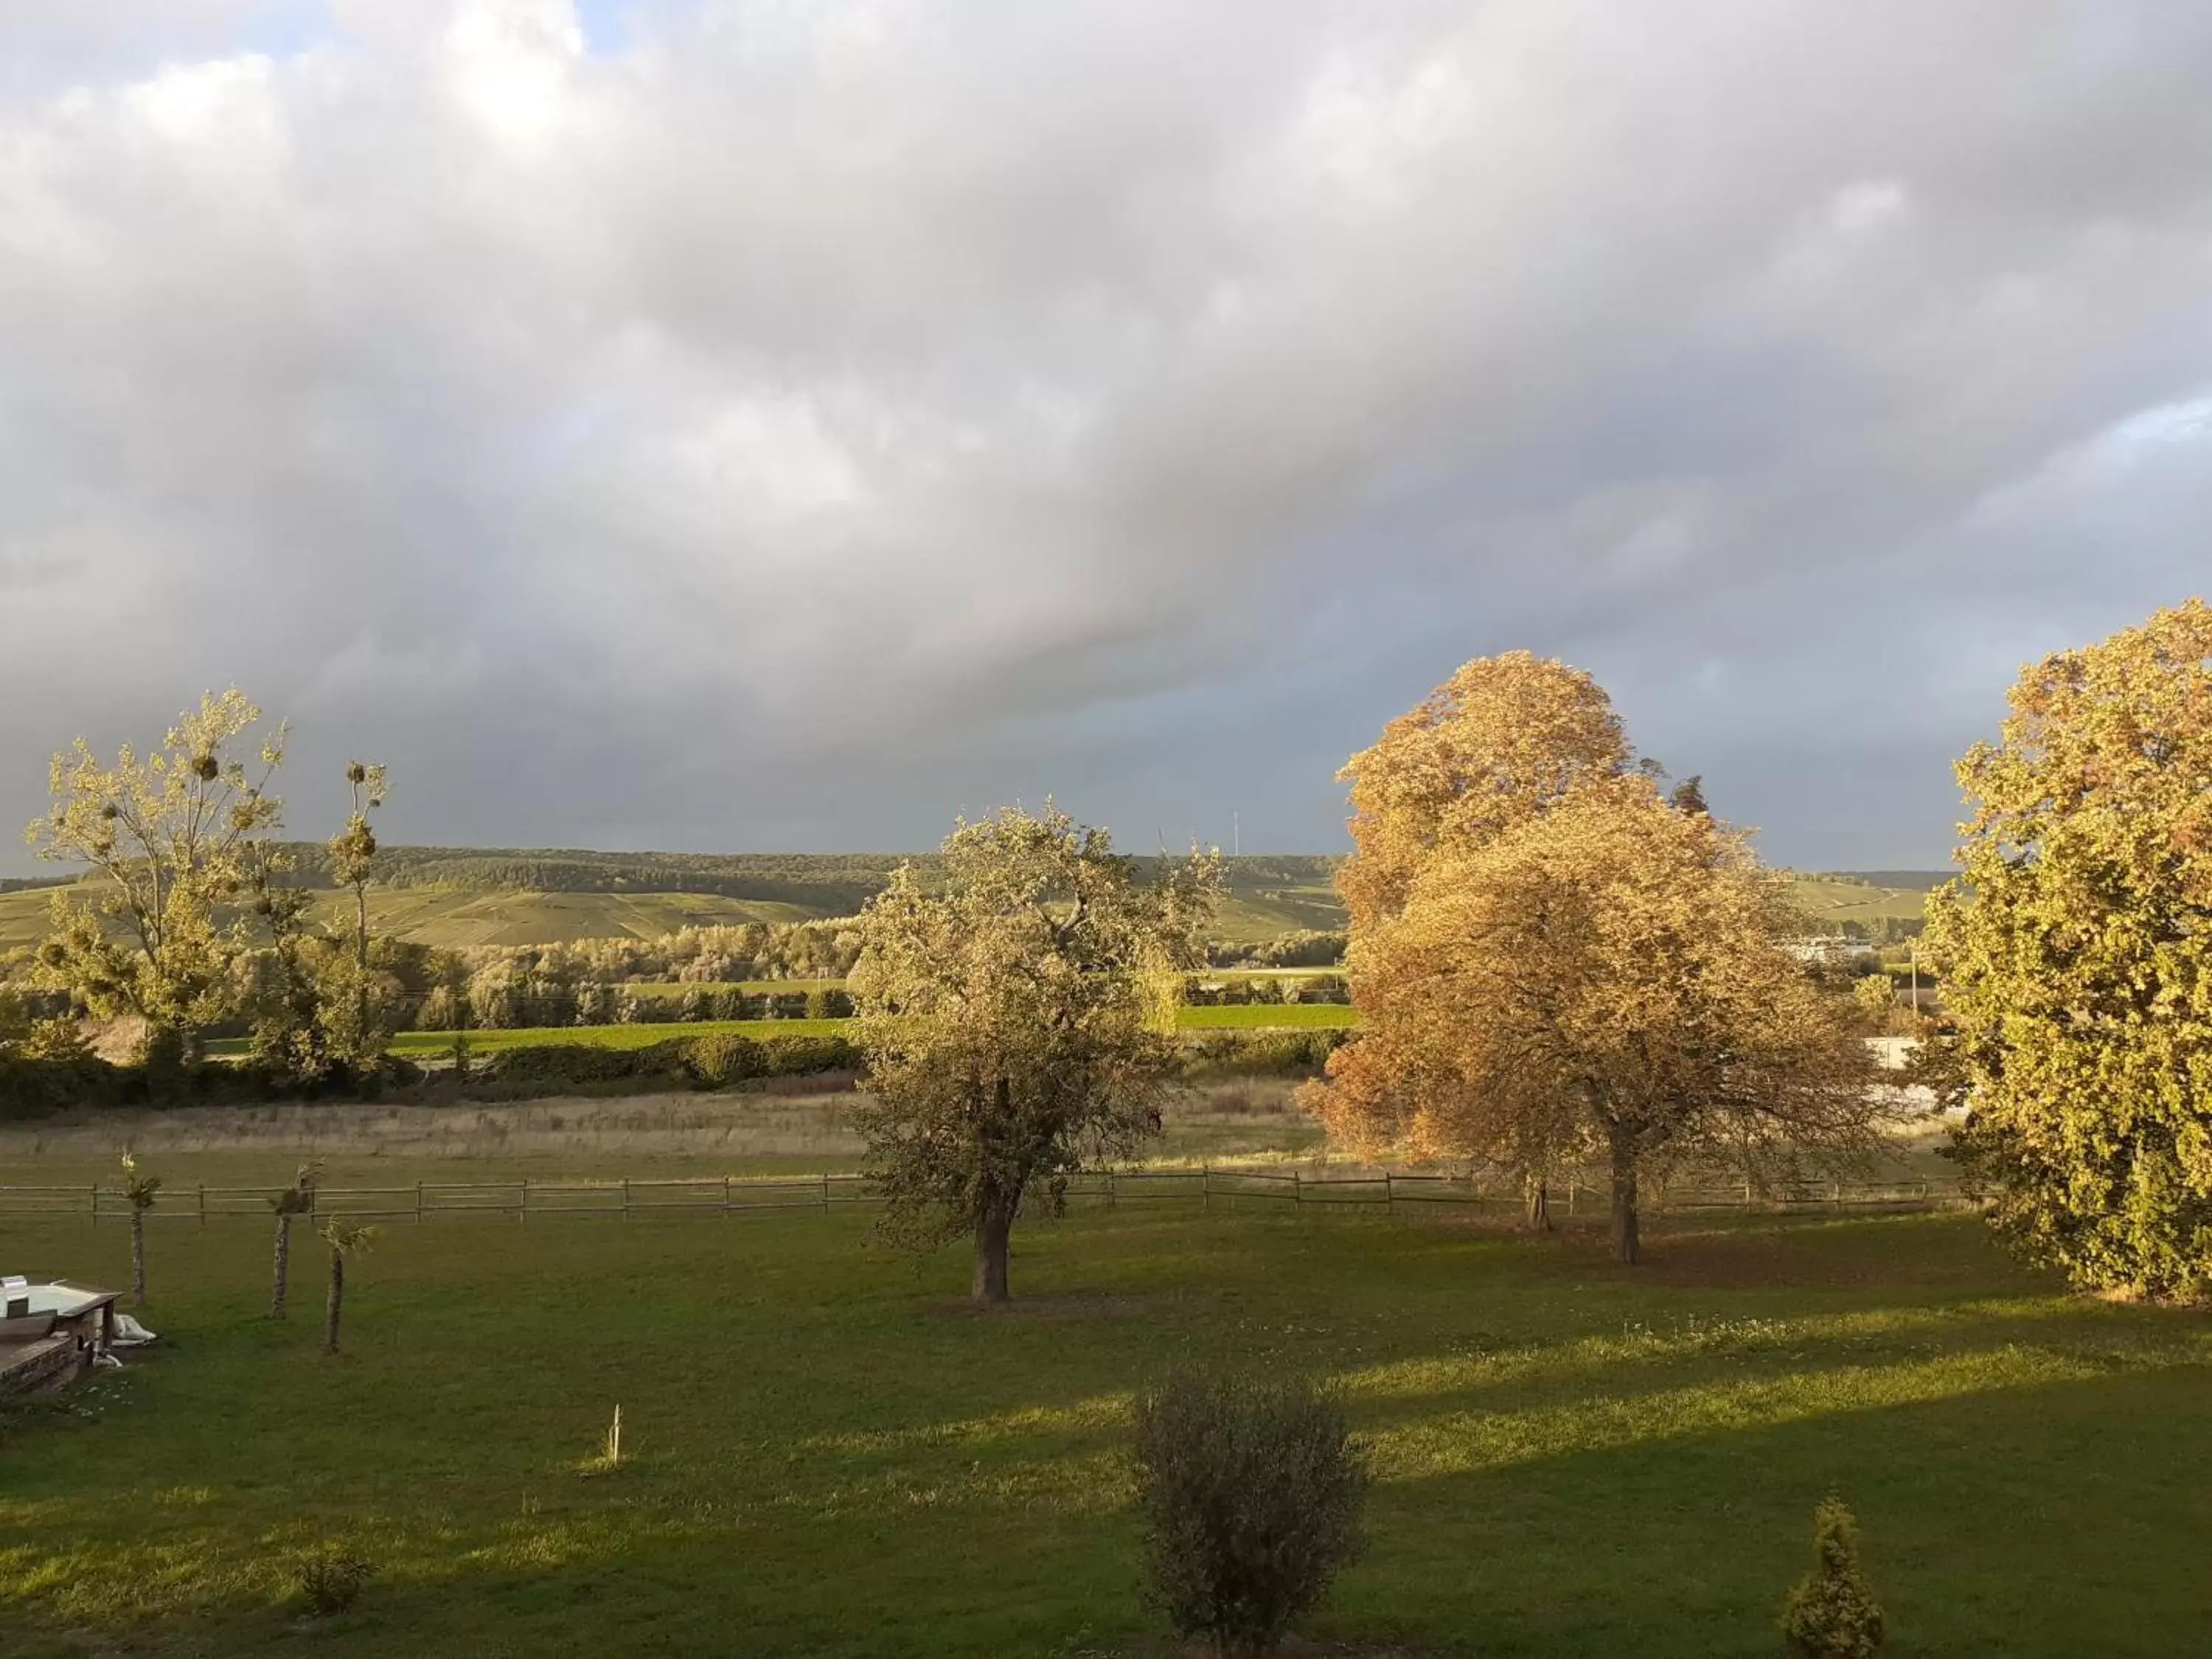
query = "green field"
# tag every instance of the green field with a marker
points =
(830, 1454)
(1263, 1016)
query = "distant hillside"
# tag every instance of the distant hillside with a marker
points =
(464, 896)
(456, 895)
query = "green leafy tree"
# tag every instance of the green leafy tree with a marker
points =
(1017, 1023)
(1250, 1492)
(2075, 951)
(345, 1240)
(171, 840)
(1831, 1614)
(296, 1200)
(1874, 996)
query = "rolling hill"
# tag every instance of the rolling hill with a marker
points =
(459, 896)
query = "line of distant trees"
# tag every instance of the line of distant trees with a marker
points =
(839, 882)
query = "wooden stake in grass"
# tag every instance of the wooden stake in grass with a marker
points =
(610, 1452)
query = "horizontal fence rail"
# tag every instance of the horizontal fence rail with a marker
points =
(526, 1200)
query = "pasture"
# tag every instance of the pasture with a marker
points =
(827, 1451)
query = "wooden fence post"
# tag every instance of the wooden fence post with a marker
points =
(725, 1194)
(95, 1204)
(625, 1198)
(522, 1209)
(1297, 1186)
(204, 1204)
(418, 1203)
(1204, 1187)
(825, 1192)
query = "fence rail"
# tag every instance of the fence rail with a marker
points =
(526, 1200)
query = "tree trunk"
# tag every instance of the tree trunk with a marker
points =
(138, 1256)
(994, 1234)
(336, 1306)
(1624, 1240)
(283, 1267)
(1536, 1199)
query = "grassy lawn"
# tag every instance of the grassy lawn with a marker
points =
(1262, 1017)
(830, 1454)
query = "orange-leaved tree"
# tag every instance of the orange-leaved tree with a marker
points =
(1550, 958)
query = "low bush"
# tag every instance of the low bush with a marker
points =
(1232, 1052)
(332, 1581)
(721, 1058)
(1250, 1492)
(563, 1063)
(1832, 1612)
(801, 1056)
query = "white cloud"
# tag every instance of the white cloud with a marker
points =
(905, 403)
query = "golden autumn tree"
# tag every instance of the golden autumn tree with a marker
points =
(1492, 746)
(172, 839)
(1017, 1020)
(1557, 959)
(2075, 947)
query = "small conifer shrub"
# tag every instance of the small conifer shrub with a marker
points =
(1832, 1612)
(331, 1580)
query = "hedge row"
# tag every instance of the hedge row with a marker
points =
(713, 1061)
(36, 1088)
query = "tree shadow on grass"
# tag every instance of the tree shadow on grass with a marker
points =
(2058, 1519)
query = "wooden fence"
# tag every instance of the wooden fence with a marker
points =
(526, 1200)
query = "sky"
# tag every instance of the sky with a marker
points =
(787, 424)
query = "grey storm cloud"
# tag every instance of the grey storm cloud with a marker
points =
(786, 425)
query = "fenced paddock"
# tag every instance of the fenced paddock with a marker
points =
(526, 1201)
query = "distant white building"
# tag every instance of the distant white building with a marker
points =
(1826, 947)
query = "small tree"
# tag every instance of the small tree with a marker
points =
(1250, 1493)
(296, 1200)
(353, 1014)
(172, 838)
(1874, 996)
(1832, 1612)
(1017, 1024)
(345, 1239)
(141, 1190)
